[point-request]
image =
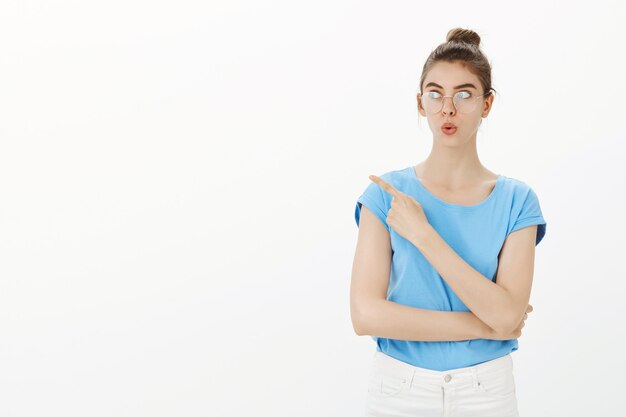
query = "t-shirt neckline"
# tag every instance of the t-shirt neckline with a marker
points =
(452, 205)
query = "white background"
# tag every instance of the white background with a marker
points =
(178, 183)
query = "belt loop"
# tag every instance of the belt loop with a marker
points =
(474, 379)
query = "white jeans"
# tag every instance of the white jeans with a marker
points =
(399, 389)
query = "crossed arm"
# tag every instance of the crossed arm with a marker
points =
(501, 304)
(496, 308)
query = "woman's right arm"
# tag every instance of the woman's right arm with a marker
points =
(372, 314)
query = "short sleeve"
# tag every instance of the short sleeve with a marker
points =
(528, 213)
(374, 199)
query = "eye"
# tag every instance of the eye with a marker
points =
(433, 94)
(463, 94)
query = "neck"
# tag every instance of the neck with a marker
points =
(453, 167)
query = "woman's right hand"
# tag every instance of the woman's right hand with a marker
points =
(517, 332)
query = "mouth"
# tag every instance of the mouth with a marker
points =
(448, 128)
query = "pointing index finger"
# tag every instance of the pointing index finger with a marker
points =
(385, 185)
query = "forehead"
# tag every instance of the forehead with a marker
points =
(450, 74)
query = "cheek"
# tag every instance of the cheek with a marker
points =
(434, 124)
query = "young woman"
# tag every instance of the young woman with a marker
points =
(444, 261)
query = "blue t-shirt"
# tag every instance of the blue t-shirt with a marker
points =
(476, 233)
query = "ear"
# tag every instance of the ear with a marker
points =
(487, 105)
(420, 108)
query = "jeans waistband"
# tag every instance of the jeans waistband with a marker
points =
(392, 366)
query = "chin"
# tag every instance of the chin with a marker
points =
(455, 139)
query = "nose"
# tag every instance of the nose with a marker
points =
(447, 107)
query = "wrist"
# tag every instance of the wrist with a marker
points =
(423, 236)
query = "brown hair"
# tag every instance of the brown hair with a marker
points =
(462, 45)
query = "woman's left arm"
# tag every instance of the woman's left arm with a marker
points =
(501, 304)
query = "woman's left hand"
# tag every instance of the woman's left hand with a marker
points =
(406, 216)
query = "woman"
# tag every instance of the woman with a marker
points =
(445, 256)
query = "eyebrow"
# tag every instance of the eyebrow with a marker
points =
(456, 88)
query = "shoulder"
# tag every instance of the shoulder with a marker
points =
(375, 198)
(516, 188)
(519, 196)
(515, 183)
(397, 177)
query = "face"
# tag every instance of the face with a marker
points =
(447, 76)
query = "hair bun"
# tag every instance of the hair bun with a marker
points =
(463, 35)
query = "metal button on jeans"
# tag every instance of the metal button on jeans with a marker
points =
(447, 378)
